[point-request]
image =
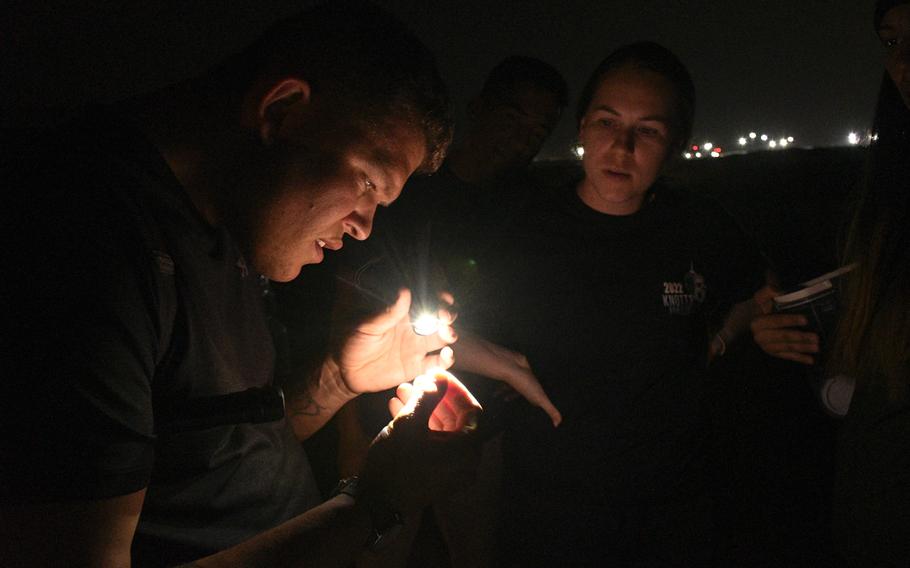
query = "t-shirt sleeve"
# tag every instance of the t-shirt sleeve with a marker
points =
(79, 347)
(738, 264)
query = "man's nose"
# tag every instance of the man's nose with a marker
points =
(359, 224)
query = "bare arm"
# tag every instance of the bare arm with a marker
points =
(79, 533)
(735, 324)
(309, 409)
(99, 534)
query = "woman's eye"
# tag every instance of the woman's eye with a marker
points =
(648, 132)
(608, 122)
(370, 186)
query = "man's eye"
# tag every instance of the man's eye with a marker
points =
(890, 42)
(607, 122)
(369, 185)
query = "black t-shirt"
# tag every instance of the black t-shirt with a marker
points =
(87, 378)
(613, 314)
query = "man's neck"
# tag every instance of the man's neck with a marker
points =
(198, 142)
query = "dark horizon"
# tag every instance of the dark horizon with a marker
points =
(808, 70)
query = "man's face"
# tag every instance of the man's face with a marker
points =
(627, 138)
(513, 127)
(321, 179)
(894, 33)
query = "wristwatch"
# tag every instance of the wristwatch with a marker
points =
(386, 522)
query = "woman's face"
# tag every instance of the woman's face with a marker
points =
(627, 134)
(894, 33)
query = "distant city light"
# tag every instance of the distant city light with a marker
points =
(707, 145)
(790, 139)
(715, 154)
(752, 135)
(853, 138)
(688, 155)
(695, 148)
(742, 141)
(698, 154)
(772, 144)
(578, 150)
(782, 143)
(764, 137)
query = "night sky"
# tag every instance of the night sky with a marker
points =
(803, 68)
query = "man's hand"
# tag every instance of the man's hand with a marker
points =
(778, 334)
(456, 412)
(427, 451)
(385, 351)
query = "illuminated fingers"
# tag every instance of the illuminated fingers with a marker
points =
(390, 317)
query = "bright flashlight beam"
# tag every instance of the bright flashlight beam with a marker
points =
(426, 324)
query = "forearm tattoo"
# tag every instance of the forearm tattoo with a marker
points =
(306, 405)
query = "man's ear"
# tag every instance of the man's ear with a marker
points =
(277, 103)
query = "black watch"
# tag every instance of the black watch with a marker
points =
(386, 522)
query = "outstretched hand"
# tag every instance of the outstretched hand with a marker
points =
(385, 351)
(779, 335)
(483, 357)
(428, 450)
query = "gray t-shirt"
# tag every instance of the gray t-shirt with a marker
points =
(88, 378)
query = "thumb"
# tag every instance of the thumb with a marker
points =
(390, 317)
(428, 392)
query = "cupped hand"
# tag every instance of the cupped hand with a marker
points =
(410, 462)
(385, 351)
(458, 410)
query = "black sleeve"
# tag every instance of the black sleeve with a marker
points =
(79, 344)
(738, 264)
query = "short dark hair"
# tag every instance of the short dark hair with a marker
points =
(517, 69)
(362, 55)
(653, 57)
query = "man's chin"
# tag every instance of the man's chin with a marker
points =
(284, 273)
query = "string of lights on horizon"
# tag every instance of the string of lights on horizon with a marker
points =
(751, 142)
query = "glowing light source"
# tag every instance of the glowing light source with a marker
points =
(707, 145)
(698, 154)
(790, 139)
(715, 154)
(752, 135)
(764, 137)
(688, 155)
(853, 138)
(426, 324)
(772, 144)
(578, 150)
(782, 143)
(742, 141)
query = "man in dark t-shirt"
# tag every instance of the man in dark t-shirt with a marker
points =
(138, 241)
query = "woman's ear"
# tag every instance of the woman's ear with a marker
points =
(277, 103)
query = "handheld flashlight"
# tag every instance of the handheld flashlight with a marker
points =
(426, 324)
